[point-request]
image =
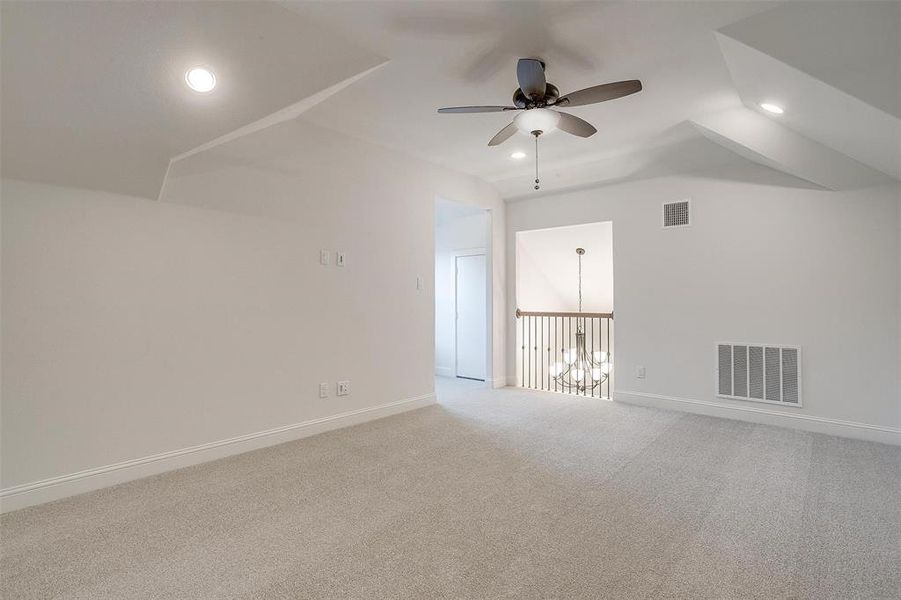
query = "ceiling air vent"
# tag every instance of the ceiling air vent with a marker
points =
(759, 372)
(677, 214)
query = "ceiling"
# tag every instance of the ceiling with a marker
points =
(92, 92)
(447, 211)
(453, 53)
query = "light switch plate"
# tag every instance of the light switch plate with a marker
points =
(339, 259)
(418, 282)
(343, 388)
(323, 390)
(323, 257)
(640, 372)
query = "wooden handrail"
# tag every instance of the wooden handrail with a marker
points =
(588, 315)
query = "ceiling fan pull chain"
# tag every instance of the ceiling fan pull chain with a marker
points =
(536, 161)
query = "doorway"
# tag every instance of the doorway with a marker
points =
(471, 316)
(462, 291)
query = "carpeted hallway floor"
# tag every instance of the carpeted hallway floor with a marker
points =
(491, 494)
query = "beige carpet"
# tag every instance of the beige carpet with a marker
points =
(492, 494)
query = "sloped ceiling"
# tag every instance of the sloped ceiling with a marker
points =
(835, 68)
(459, 53)
(762, 140)
(854, 47)
(705, 66)
(93, 93)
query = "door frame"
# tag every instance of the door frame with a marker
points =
(455, 254)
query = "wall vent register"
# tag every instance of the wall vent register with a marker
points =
(677, 214)
(759, 372)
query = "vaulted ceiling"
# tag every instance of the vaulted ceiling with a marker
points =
(93, 94)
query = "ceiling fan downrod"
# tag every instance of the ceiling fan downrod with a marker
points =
(536, 133)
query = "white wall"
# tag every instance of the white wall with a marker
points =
(451, 237)
(547, 268)
(765, 260)
(270, 174)
(133, 328)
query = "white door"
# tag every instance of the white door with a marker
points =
(471, 316)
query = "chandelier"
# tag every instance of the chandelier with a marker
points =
(580, 370)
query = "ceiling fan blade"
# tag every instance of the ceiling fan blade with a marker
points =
(503, 135)
(475, 109)
(576, 126)
(600, 93)
(530, 74)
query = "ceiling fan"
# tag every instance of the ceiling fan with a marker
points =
(536, 98)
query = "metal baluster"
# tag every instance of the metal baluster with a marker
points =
(608, 356)
(569, 334)
(529, 362)
(534, 379)
(547, 351)
(555, 354)
(584, 374)
(592, 355)
(596, 345)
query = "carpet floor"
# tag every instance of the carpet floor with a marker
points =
(489, 494)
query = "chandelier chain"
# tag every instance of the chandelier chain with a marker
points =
(580, 283)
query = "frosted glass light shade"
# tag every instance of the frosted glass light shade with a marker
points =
(537, 119)
(600, 356)
(570, 355)
(578, 374)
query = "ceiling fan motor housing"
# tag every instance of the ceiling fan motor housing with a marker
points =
(551, 93)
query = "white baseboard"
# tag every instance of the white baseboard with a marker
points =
(444, 371)
(756, 414)
(498, 382)
(39, 492)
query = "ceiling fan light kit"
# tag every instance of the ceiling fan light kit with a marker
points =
(537, 119)
(535, 97)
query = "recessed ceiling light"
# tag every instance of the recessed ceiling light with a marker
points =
(776, 110)
(200, 79)
(518, 155)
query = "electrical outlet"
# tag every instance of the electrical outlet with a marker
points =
(323, 257)
(339, 259)
(323, 390)
(343, 388)
(640, 372)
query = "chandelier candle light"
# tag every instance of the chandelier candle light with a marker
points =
(580, 370)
